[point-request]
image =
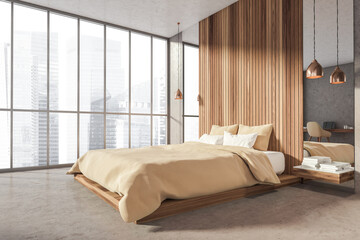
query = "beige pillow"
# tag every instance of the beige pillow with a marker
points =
(263, 131)
(218, 130)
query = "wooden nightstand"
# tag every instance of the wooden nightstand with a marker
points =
(317, 174)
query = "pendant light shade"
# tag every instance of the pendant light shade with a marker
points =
(178, 95)
(315, 69)
(338, 76)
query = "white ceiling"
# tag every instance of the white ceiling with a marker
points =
(158, 17)
(326, 32)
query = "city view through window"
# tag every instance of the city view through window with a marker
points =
(68, 86)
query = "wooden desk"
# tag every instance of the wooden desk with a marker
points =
(337, 130)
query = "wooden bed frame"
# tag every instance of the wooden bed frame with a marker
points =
(171, 207)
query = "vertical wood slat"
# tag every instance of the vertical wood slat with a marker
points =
(251, 71)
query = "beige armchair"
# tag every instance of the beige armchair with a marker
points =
(315, 130)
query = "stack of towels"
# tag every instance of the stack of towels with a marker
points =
(315, 161)
(335, 166)
(325, 164)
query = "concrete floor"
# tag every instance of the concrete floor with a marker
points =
(47, 204)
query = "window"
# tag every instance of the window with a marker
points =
(5, 54)
(63, 138)
(30, 58)
(77, 86)
(91, 67)
(29, 139)
(30, 87)
(191, 92)
(117, 131)
(117, 70)
(91, 132)
(140, 73)
(5, 83)
(63, 63)
(159, 76)
(5, 139)
(159, 130)
(140, 131)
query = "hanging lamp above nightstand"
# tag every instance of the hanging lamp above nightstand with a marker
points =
(338, 76)
(314, 70)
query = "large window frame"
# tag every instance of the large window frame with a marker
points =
(186, 44)
(104, 113)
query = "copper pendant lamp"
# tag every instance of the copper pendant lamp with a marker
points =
(314, 70)
(338, 76)
(178, 95)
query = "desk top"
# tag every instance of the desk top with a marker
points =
(337, 130)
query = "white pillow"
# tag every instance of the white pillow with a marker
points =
(212, 139)
(241, 140)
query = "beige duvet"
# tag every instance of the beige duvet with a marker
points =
(147, 176)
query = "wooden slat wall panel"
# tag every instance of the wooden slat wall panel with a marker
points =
(251, 71)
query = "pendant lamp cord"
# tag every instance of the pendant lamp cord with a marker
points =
(337, 32)
(178, 55)
(314, 27)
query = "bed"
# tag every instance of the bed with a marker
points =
(154, 182)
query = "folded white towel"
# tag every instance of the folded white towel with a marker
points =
(337, 166)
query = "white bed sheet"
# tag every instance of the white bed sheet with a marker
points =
(277, 160)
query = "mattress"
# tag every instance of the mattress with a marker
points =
(277, 160)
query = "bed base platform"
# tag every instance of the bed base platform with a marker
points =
(171, 207)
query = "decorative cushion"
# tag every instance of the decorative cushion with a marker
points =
(263, 137)
(218, 130)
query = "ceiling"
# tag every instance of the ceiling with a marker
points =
(158, 17)
(326, 32)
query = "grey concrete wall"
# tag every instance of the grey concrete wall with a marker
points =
(357, 91)
(176, 106)
(327, 102)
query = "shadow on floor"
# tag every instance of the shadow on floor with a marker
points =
(327, 188)
(284, 206)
